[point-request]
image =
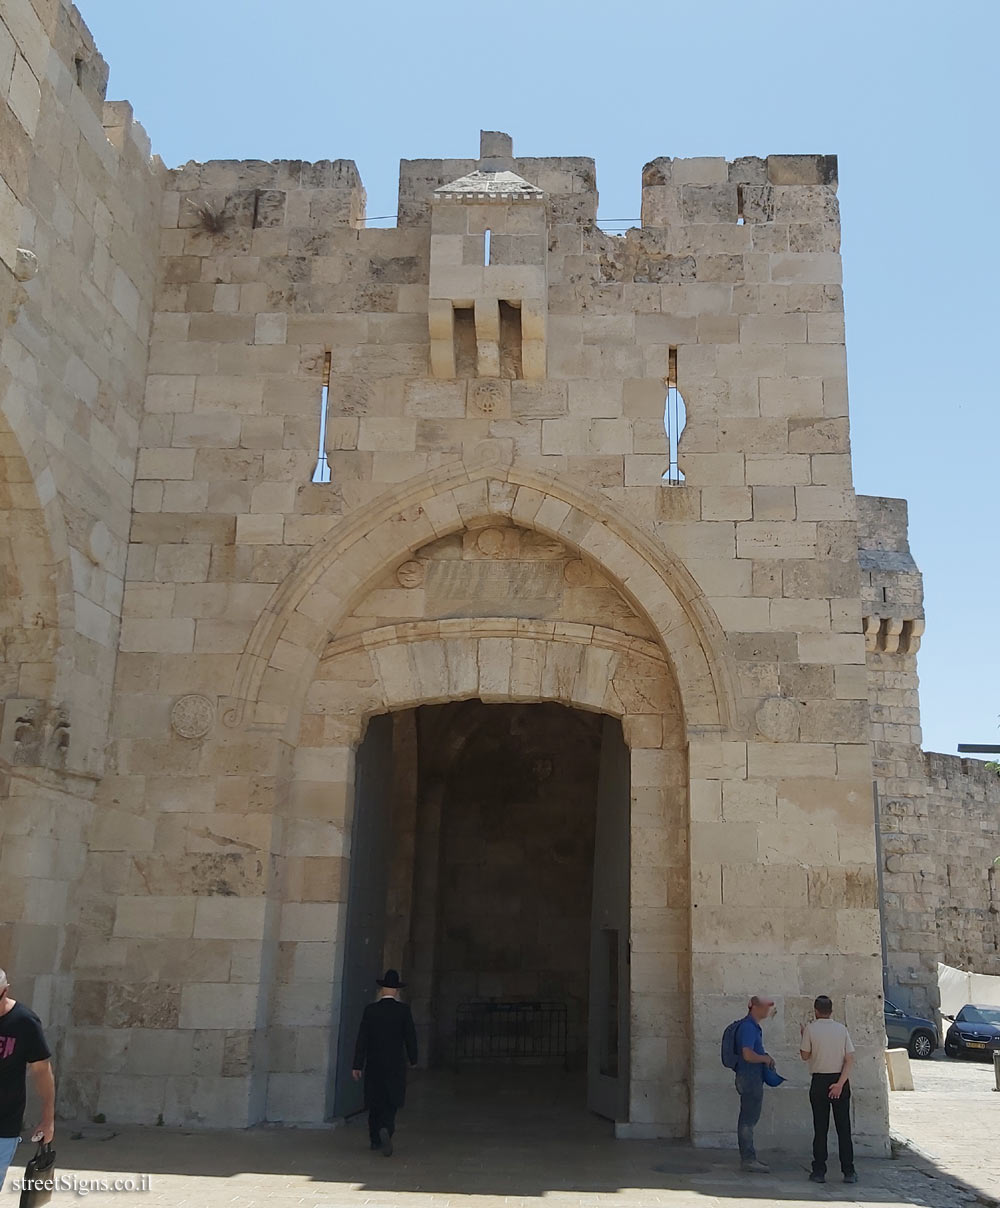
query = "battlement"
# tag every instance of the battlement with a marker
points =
(948, 771)
(226, 195)
(892, 590)
(778, 192)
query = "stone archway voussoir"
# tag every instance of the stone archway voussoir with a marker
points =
(307, 608)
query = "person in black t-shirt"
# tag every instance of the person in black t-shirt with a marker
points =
(22, 1048)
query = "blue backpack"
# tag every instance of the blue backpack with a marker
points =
(730, 1053)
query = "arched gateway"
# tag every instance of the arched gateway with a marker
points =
(366, 628)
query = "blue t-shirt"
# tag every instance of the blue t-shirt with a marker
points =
(750, 1036)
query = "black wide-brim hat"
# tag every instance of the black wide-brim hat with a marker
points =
(390, 981)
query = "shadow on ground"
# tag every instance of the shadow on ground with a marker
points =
(461, 1137)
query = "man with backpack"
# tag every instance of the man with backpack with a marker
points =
(743, 1051)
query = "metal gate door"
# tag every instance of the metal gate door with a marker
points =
(368, 880)
(608, 1042)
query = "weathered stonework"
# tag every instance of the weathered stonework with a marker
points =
(78, 261)
(939, 815)
(198, 634)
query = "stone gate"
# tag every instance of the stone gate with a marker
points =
(208, 612)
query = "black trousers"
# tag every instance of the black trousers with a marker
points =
(822, 1104)
(381, 1112)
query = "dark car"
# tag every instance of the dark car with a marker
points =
(974, 1030)
(917, 1035)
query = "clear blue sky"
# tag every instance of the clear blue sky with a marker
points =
(904, 93)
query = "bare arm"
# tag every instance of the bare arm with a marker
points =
(752, 1058)
(845, 1073)
(45, 1088)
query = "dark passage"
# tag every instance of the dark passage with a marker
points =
(476, 832)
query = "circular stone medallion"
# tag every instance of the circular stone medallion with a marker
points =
(778, 719)
(490, 542)
(410, 574)
(192, 716)
(577, 573)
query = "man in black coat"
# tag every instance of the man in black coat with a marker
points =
(386, 1039)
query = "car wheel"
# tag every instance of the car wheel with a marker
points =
(921, 1045)
(950, 1050)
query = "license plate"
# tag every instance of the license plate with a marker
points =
(975, 1044)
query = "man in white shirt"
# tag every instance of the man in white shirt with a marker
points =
(828, 1048)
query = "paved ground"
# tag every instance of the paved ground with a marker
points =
(953, 1117)
(516, 1159)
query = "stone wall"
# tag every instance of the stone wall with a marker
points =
(79, 229)
(964, 825)
(941, 898)
(939, 816)
(892, 603)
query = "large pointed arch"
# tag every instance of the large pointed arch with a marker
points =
(306, 609)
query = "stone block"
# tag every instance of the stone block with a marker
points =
(165, 463)
(726, 503)
(775, 539)
(700, 170)
(154, 917)
(310, 921)
(790, 396)
(800, 616)
(24, 95)
(790, 759)
(802, 169)
(229, 918)
(296, 1097)
(217, 1005)
(831, 648)
(157, 636)
(748, 801)
(260, 529)
(816, 360)
(714, 469)
(780, 470)
(773, 503)
(182, 563)
(169, 392)
(822, 268)
(897, 1066)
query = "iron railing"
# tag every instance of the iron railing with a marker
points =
(491, 1030)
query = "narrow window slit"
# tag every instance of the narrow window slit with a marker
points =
(674, 419)
(322, 471)
(740, 220)
(466, 355)
(486, 247)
